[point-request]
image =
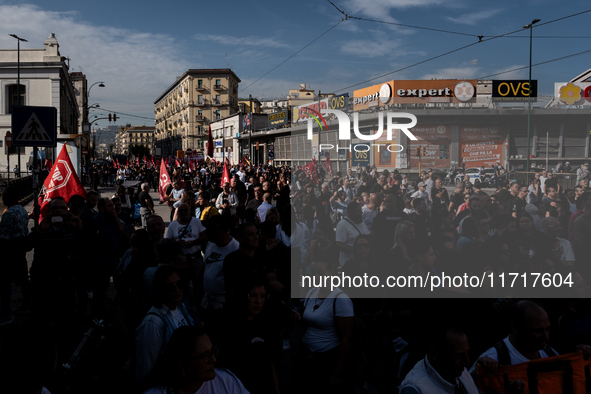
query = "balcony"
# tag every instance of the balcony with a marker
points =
(218, 87)
(217, 103)
(217, 117)
(201, 103)
(200, 87)
(200, 119)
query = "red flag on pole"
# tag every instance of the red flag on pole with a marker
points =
(138, 160)
(311, 172)
(210, 143)
(328, 166)
(164, 182)
(153, 165)
(114, 165)
(225, 175)
(177, 162)
(62, 181)
(128, 161)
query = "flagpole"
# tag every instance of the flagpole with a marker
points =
(250, 131)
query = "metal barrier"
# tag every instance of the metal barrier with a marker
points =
(566, 181)
(24, 186)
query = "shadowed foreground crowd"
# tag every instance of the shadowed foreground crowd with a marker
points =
(204, 303)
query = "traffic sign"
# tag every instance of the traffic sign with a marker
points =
(8, 139)
(34, 126)
(271, 154)
(84, 152)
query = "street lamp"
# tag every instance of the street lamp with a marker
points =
(530, 27)
(18, 86)
(101, 85)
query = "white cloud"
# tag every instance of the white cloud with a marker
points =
(380, 9)
(135, 66)
(453, 73)
(474, 18)
(368, 48)
(241, 41)
(507, 74)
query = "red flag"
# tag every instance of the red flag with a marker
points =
(191, 168)
(328, 166)
(154, 165)
(311, 172)
(138, 161)
(128, 161)
(145, 160)
(227, 162)
(177, 162)
(225, 175)
(62, 181)
(164, 182)
(210, 143)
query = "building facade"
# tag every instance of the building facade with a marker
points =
(44, 81)
(129, 137)
(80, 91)
(185, 109)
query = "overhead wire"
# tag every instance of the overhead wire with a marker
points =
(121, 113)
(481, 39)
(283, 62)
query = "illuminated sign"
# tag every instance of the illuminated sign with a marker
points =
(514, 90)
(339, 102)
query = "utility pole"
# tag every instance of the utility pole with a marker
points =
(18, 87)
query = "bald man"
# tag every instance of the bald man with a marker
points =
(528, 340)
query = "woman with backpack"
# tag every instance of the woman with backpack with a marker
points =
(325, 362)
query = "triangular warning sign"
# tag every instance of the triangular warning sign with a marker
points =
(33, 131)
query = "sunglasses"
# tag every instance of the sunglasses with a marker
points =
(207, 357)
(171, 287)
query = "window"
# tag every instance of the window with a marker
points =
(200, 113)
(218, 82)
(217, 114)
(200, 99)
(200, 83)
(13, 98)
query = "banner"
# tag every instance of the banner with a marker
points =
(62, 181)
(225, 174)
(559, 374)
(480, 146)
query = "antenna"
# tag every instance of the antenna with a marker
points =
(227, 62)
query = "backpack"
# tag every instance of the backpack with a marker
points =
(335, 217)
(502, 171)
(504, 358)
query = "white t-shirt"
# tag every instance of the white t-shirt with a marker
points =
(542, 181)
(176, 194)
(178, 318)
(242, 176)
(516, 357)
(347, 233)
(368, 216)
(213, 276)
(567, 250)
(429, 184)
(420, 194)
(321, 332)
(175, 229)
(225, 382)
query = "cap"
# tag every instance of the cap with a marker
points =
(421, 184)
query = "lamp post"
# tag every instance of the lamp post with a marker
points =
(530, 27)
(18, 86)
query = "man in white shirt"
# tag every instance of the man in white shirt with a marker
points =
(552, 229)
(543, 178)
(370, 210)
(264, 207)
(422, 193)
(348, 189)
(219, 246)
(187, 231)
(348, 229)
(528, 341)
(429, 183)
(443, 370)
(242, 175)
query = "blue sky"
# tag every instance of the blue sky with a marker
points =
(139, 48)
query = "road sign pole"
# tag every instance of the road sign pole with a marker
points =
(35, 187)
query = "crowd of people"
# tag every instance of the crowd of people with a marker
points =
(210, 297)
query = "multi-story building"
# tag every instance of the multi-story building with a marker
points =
(44, 81)
(129, 136)
(187, 107)
(80, 88)
(244, 105)
(274, 105)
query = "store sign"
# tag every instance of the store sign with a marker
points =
(360, 155)
(301, 113)
(339, 102)
(481, 146)
(573, 93)
(514, 90)
(277, 119)
(416, 91)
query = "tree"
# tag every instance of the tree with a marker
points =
(138, 150)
